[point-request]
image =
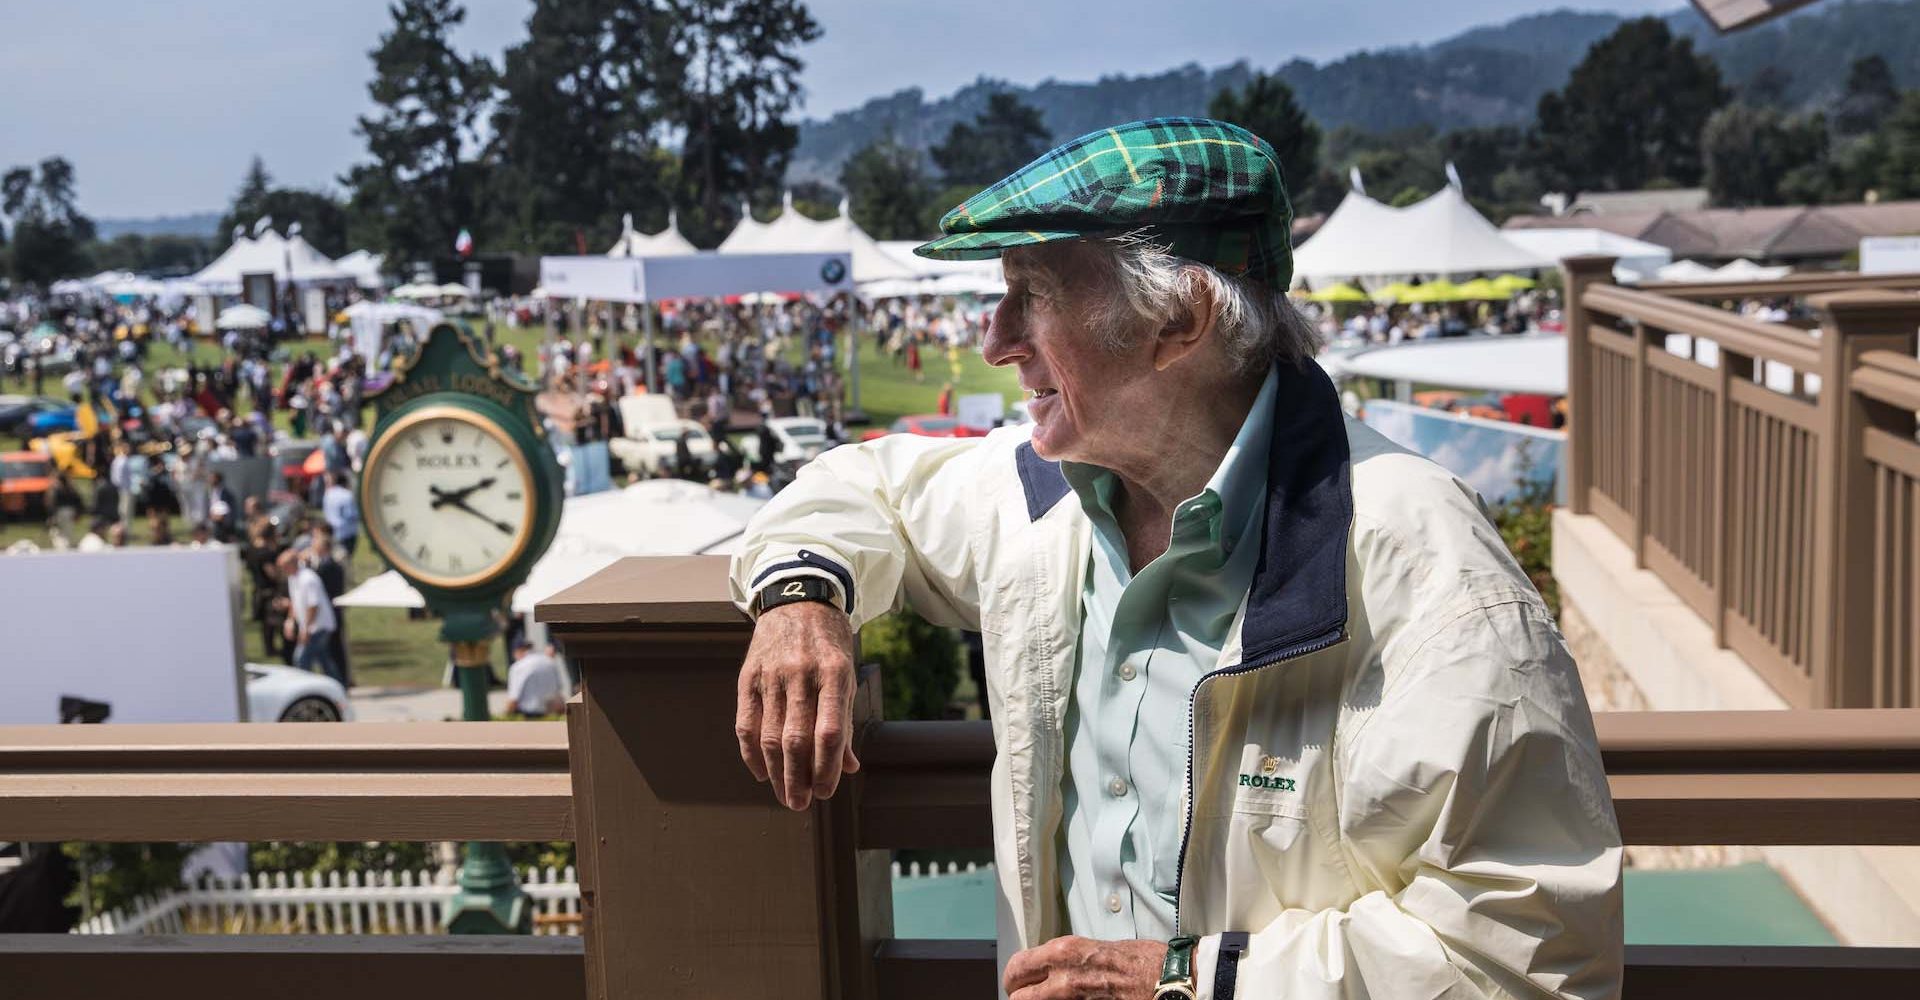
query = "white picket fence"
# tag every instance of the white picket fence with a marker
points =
(404, 902)
(914, 869)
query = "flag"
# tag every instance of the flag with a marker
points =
(463, 243)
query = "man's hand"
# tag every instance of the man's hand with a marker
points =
(1077, 968)
(795, 699)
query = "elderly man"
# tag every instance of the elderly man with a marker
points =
(1277, 714)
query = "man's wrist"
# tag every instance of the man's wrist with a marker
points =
(808, 589)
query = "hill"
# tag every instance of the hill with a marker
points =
(1483, 76)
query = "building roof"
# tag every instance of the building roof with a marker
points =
(1630, 202)
(1732, 15)
(1779, 234)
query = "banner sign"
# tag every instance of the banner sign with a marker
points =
(1890, 255)
(705, 275)
(1501, 461)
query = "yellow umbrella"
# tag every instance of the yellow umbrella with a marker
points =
(1340, 293)
(1396, 292)
(1514, 282)
(1441, 290)
(1482, 290)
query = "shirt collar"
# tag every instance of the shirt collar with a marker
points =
(1232, 496)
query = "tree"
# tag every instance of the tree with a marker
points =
(49, 233)
(742, 82)
(888, 191)
(1899, 167)
(424, 184)
(1632, 112)
(1004, 137)
(577, 134)
(919, 664)
(1749, 152)
(1870, 96)
(322, 218)
(1266, 107)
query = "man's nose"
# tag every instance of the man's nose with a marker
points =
(1003, 344)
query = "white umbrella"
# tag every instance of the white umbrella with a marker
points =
(453, 291)
(243, 317)
(417, 290)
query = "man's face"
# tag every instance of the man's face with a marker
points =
(1090, 404)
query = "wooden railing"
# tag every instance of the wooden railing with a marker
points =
(696, 883)
(1786, 519)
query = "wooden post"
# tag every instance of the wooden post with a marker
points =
(1576, 274)
(1852, 323)
(1733, 368)
(693, 880)
(1640, 427)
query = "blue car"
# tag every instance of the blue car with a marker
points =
(53, 421)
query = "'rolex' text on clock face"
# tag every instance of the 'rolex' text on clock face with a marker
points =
(449, 498)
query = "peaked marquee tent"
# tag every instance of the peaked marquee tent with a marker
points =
(1442, 235)
(791, 232)
(668, 242)
(1638, 259)
(289, 259)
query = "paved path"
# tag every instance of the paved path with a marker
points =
(397, 704)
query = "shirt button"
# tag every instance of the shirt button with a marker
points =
(1113, 903)
(1117, 787)
(1127, 672)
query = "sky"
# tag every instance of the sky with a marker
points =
(160, 106)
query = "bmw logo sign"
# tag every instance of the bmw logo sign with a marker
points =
(833, 271)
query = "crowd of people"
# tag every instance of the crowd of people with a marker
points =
(1389, 323)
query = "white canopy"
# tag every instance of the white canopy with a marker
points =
(1442, 235)
(1746, 270)
(365, 266)
(792, 232)
(369, 320)
(417, 290)
(659, 517)
(1638, 259)
(1686, 270)
(1533, 364)
(667, 242)
(288, 259)
(243, 317)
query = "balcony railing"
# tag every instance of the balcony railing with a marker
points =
(1789, 520)
(694, 883)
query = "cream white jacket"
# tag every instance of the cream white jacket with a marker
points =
(1393, 786)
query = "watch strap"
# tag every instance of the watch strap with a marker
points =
(1176, 971)
(794, 590)
(1226, 969)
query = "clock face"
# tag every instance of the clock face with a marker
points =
(447, 497)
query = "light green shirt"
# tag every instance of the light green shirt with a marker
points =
(1145, 642)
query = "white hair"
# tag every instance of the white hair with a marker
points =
(1151, 289)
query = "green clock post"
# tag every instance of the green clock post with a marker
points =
(460, 493)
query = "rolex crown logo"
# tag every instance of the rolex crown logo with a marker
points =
(1269, 765)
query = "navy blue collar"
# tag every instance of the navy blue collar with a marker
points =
(1298, 600)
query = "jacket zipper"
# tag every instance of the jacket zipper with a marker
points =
(1193, 699)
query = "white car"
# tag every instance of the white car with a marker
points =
(801, 439)
(279, 693)
(652, 433)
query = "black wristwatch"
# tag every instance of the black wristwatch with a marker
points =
(792, 591)
(1176, 973)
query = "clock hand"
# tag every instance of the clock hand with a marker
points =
(504, 527)
(442, 497)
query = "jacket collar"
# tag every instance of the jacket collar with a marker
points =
(1298, 600)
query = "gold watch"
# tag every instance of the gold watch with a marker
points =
(1176, 973)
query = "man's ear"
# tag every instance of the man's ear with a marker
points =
(1184, 336)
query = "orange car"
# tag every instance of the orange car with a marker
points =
(26, 483)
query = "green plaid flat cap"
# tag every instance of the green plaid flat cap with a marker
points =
(1209, 191)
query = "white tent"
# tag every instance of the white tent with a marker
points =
(417, 290)
(288, 259)
(369, 320)
(365, 266)
(1746, 270)
(1442, 235)
(1638, 259)
(792, 232)
(659, 517)
(667, 242)
(1533, 364)
(243, 317)
(1686, 270)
